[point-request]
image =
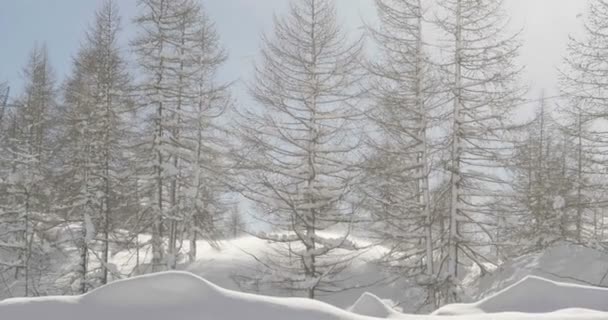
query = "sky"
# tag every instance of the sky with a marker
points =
(60, 24)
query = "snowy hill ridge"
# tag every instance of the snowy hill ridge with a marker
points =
(562, 262)
(535, 295)
(183, 296)
(370, 305)
(168, 295)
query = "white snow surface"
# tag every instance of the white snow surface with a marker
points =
(183, 296)
(562, 262)
(222, 266)
(535, 295)
(370, 305)
(236, 257)
(169, 295)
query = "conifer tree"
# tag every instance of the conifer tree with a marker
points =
(179, 54)
(585, 91)
(482, 85)
(26, 156)
(97, 97)
(398, 186)
(307, 84)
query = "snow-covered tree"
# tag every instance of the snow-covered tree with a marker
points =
(27, 146)
(397, 185)
(179, 54)
(543, 186)
(234, 224)
(5, 90)
(585, 89)
(161, 57)
(204, 140)
(97, 97)
(299, 146)
(482, 85)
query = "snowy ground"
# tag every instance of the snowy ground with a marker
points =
(236, 258)
(183, 296)
(535, 295)
(563, 262)
(509, 293)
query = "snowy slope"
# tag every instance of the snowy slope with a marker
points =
(171, 295)
(370, 305)
(535, 295)
(222, 266)
(236, 257)
(563, 262)
(176, 295)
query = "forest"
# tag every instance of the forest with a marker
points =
(406, 133)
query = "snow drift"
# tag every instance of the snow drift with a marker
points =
(535, 295)
(236, 258)
(563, 262)
(183, 296)
(197, 298)
(170, 295)
(370, 305)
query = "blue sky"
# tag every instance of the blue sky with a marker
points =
(61, 24)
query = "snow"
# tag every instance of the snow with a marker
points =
(374, 294)
(535, 295)
(89, 227)
(563, 262)
(559, 203)
(169, 295)
(183, 296)
(370, 305)
(236, 257)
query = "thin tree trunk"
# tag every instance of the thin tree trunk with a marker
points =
(579, 183)
(455, 180)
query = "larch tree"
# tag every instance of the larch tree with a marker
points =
(399, 187)
(5, 91)
(159, 50)
(300, 147)
(585, 91)
(114, 101)
(204, 142)
(185, 39)
(179, 54)
(97, 97)
(27, 150)
(482, 84)
(235, 224)
(543, 185)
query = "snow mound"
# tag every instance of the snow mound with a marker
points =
(535, 295)
(183, 296)
(563, 262)
(169, 295)
(370, 305)
(236, 260)
(171, 288)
